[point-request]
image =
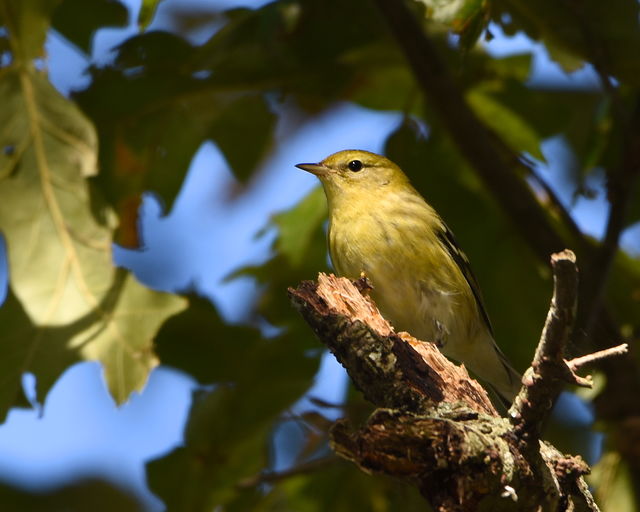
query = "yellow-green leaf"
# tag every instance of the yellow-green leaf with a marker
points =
(74, 302)
(298, 225)
(514, 129)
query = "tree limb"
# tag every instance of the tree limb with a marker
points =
(621, 187)
(549, 371)
(579, 362)
(435, 426)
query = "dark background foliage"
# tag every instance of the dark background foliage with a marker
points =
(74, 168)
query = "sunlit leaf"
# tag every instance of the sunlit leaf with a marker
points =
(119, 334)
(612, 483)
(514, 129)
(147, 11)
(27, 22)
(465, 17)
(59, 258)
(60, 265)
(296, 226)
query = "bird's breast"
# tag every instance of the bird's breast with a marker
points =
(416, 286)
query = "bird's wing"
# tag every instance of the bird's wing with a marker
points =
(445, 235)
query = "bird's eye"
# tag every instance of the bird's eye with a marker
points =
(355, 165)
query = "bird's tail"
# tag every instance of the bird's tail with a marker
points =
(510, 387)
(491, 365)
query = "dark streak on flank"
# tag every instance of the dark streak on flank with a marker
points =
(451, 245)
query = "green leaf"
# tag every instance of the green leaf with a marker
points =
(21, 341)
(515, 130)
(605, 34)
(297, 226)
(199, 343)
(272, 48)
(60, 265)
(623, 291)
(83, 494)
(612, 480)
(27, 22)
(147, 11)
(543, 113)
(300, 252)
(228, 430)
(78, 20)
(339, 487)
(153, 121)
(204, 473)
(246, 119)
(156, 51)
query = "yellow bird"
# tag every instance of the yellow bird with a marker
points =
(380, 225)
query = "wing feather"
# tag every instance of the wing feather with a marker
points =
(445, 235)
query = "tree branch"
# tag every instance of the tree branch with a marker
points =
(392, 370)
(276, 476)
(621, 187)
(435, 426)
(579, 362)
(549, 371)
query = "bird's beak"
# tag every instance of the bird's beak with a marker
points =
(317, 169)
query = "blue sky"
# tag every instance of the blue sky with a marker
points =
(79, 429)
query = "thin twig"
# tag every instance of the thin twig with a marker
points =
(548, 372)
(275, 476)
(578, 362)
(557, 327)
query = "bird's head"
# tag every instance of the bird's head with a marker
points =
(351, 173)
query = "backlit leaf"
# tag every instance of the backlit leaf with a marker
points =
(60, 265)
(297, 225)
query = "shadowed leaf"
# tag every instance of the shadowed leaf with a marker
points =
(84, 494)
(78, 20)
(246, 119)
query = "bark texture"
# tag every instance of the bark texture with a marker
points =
(435, 426)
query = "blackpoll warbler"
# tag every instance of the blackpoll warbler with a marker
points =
(380, 225)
